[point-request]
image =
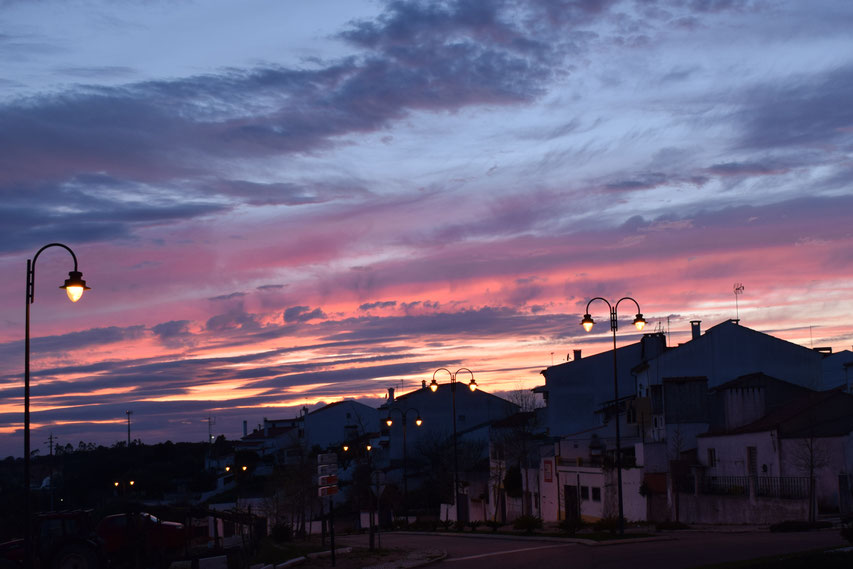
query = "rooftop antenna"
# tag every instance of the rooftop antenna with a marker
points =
(738, 290)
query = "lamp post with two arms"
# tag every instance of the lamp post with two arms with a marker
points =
(639, 322)
(472, 385)
(418, 422)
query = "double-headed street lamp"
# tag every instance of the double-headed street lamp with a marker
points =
(418, 422)
(74, 286)
(472, 385)
(587, 324)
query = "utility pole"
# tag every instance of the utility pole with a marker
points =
(50, 440)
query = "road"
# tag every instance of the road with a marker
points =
(681, 550)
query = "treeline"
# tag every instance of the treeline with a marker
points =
(105, 478)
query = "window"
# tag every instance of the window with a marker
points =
(596, 494)
(752, 460)
(584, 492)
(712, 458)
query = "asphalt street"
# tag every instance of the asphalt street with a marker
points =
(676, 550)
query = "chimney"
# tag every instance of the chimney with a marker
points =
(390, 395)
(423, 384)
(695, 329)
(576, 354)
(245, 428)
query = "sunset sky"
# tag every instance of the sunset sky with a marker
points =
(283, 203)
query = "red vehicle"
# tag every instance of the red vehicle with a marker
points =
(140, 533)
(61, 540)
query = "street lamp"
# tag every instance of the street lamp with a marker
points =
(74, 286)
(639, 322)
(418, 422)
(472, 385)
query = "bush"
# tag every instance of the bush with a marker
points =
(282, 532)
(572, 527)
(474, 524)
(401, 523)
(494, 525)
(610, 523)
(459, 525)
(661, 526)
(447, 524)
(527, 523)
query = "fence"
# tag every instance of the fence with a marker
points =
(789, 487)
(726, 485)
(792, 487)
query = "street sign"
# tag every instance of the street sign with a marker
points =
(327, 480)
(327, 491)
(327, 469)
(327, 458)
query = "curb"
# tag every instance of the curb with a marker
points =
(545, 538)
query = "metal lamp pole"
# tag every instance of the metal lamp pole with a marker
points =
(418, 422)
(74, 287)
(587, 324)
(472, 385)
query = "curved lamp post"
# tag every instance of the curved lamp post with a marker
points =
(472, 385)
(587, 324)
(74, 286)
(418, 422)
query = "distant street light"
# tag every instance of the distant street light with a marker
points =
(418, 422)
(587, 324)
(472, 385)
(74, 286)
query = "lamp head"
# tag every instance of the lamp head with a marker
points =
(433, 385)
(639, 321)
(346, 448)
(587, 322)
(419, 421)
(472, 385)
(388, 421)
(368, 447)
(74, 286)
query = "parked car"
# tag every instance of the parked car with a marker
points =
(61, 540)
(141, 534)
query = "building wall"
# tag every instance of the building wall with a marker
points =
(731, 454)
(728, 351)
(327, 426)
(577, 389)
(600, 500)
(832, 458)
(702, 509)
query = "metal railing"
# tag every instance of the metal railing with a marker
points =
(788, 487)
(726, 485)
(792, 487)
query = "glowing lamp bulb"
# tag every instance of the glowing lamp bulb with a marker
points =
(419, 421)
(74, 286)
(389, 422)
(639, 321)
(433, 386)
(473, 385)
(587, 322)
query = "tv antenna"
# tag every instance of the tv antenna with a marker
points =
(738, 290)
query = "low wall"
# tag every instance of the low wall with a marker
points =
(713, 509)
